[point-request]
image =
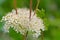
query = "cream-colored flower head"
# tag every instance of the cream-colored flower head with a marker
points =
(20, 22)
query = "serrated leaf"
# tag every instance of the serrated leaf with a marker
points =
(40, 13)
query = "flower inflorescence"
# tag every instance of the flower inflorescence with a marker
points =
(20, 22)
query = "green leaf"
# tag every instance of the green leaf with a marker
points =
(40, 13)
(1, 25)
(15, 35)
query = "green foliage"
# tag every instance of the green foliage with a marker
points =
(40, 13)
(15, 35)
(1, 24)
(51, 17)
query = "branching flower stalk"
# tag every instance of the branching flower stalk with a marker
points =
(15, 6)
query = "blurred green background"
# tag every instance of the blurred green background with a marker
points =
(51, 17)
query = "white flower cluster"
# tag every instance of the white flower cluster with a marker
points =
(20, 22)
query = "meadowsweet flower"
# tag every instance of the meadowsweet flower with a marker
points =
(20, 22)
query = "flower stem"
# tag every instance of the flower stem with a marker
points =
(30, 9)
(42, 35)
(38, 1)
(26, 35)
(15, 6)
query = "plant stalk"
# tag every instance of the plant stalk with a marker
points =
(30, 9)
(15, 6)
(38, 1)
(42, 35)
(25, 37)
